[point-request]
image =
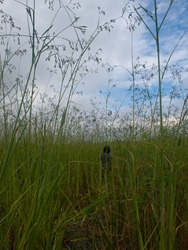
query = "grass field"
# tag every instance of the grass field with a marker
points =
(52, 195)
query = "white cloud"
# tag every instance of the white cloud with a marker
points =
(115, 45)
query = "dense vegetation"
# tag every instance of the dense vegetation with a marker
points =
(52, 196)
(51, 191)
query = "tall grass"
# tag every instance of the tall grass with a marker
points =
(52, 196)
(51, 192)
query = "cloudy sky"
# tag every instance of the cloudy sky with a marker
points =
(111, 47)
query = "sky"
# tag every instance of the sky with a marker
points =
(108, 80)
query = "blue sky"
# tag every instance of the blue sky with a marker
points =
(115, 50)
(174, 27)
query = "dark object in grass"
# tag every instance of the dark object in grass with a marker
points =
(106, 160)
